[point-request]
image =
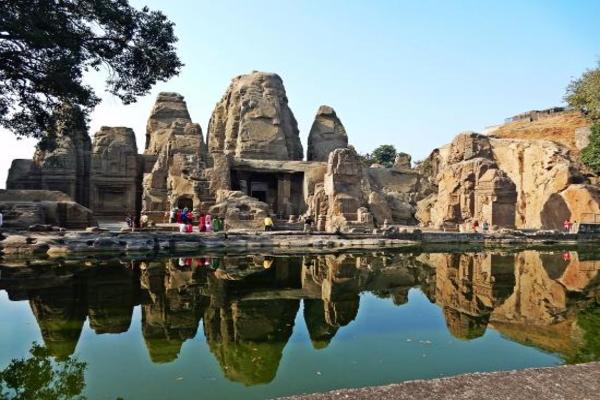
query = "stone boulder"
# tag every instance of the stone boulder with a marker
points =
(239, 210)
(379, 207)
(540, 169)
(326, 134)
(579, 202)
(468, 145)
(403, 161)
(253, 120)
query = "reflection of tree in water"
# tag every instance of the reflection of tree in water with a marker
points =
(589, 323)
(38, 377)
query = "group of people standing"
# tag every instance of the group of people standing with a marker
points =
(570, 226)
(475, 226)
(186, 219)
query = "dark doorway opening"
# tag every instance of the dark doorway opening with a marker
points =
(185, 202)
(260, 195)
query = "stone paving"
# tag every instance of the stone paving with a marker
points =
(581, 382)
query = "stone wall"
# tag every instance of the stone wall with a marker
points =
(23, 208)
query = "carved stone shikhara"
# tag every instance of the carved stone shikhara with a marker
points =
(250, 166)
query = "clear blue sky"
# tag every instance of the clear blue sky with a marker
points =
(412, 74)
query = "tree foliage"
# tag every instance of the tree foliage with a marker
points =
(584, 93)
(46, 47)
(38, 377)
(590, 156)
(384, 154)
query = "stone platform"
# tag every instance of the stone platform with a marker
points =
(557, 383)
(155, 241)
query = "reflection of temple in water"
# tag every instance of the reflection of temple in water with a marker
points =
(248, 305)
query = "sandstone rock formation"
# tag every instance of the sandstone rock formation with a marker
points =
(471, 187)
(403, 161)
(169, 111)
(176, 178)
(253, 120)
(116, 172)
(335, 204)
(487, 179)
(240, 210)
(326, 134)
(65, 167)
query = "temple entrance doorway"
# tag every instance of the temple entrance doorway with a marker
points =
(259, 190)
(282, 191)
(185, 202)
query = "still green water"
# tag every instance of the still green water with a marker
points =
(257, 327)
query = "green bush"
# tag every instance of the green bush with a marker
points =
(590, 156)
(584, 93)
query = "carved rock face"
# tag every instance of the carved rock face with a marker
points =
(181, 155)
(469, 145)
(65, 168)
(481, 178)
(114, 151)
(253, 120)
(169, 112)
(326, 134)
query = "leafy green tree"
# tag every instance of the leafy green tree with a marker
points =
(384, 155)
(46, 47)
(40, 378)
(584, 93)
(590, 156)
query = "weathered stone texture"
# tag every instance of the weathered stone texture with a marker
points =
(65, 168)
(343, 188)
(177, 178)
(471, 187)
(482, 178)
(240, 210)
(169, 111)
(326, 134)
(403, 161)
(23, 208)
(253, 120)
(116, 172)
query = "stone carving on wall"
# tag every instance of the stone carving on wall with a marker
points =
(253, 120)
(116, 172)
(177, 177)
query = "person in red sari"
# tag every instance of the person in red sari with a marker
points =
(202, 223)
(178, 216)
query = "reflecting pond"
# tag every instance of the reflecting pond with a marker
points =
(262, 326)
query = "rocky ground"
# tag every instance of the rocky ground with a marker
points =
(565, 382)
